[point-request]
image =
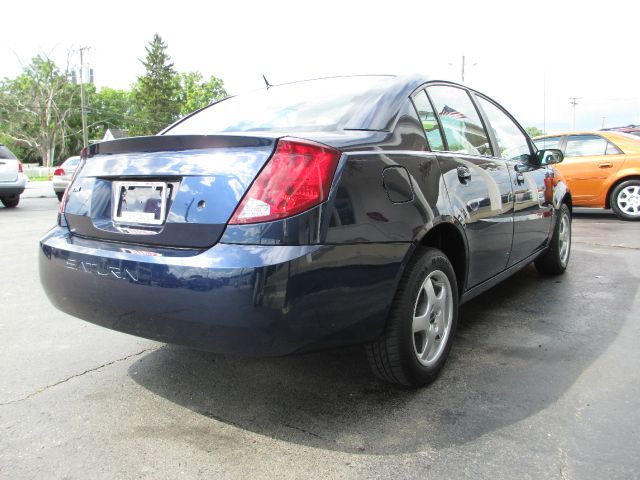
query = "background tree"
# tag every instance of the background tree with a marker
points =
(155, 95)
(195, 94)
(35, 109)
(109, 108)
(533, 131)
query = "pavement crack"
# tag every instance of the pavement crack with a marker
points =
(76, 375)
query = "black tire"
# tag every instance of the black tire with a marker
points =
(11, 201)
(620, 200)
(394, 356)
(59, 195)
(555, 260)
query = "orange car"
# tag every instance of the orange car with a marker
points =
(602, 169)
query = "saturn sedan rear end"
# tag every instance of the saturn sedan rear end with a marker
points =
(306, 216)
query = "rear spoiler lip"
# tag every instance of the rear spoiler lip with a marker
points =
(163, 143)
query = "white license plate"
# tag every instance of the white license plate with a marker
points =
(139, 202)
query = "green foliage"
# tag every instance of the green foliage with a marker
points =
(110, 108)
(40, 113)
(195, 94)
(534, 131)
(156, 94)
(35, 109)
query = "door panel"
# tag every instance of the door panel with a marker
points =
(483, 202)
(533, 209)
(587, 167)
(532, 201)
(587, 176)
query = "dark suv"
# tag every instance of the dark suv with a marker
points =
(310, 215)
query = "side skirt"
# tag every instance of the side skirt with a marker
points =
(487, 284)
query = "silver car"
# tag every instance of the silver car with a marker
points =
(63, 174)
(12, 180)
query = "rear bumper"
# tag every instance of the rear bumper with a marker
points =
(262, 300)
(13, 188)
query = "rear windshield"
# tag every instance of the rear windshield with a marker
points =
(315, 105)
(6, 153)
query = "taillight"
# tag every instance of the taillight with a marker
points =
(296, 178)
(20, 166)
(58, 171)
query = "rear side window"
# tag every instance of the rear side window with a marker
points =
(428, 120)
(585, 145)
(612, 149)
(511, 141)
(460, 121)
(6, 153)
(548, 142)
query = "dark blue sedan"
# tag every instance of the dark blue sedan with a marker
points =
(310, 215)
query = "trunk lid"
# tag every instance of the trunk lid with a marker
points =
(176, 191)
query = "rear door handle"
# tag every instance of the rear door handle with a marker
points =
(464, 175)
(605, 165)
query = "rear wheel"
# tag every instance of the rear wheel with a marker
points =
(421, 324)
(625, 200)
(10, 201)
(556, 259)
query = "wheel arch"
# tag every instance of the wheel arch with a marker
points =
(449, 237)
(633, 176)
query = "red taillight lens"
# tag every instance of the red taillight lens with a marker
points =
(20, 166)
(296, 178)
(58, 171)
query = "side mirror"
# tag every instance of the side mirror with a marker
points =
(550, 156)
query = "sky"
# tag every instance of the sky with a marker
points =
(530, 57)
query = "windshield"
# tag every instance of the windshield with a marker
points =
(315, 105)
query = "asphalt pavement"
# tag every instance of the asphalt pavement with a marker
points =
(543, 382)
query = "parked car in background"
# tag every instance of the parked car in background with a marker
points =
(310, 215)
(632, 129)
(63, 174)
(602, 169)
(12, 179)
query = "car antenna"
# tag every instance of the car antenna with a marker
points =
(266, 81)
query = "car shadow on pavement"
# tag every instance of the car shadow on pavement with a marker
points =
(518, 349)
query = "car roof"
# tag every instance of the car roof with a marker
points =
(626, 142)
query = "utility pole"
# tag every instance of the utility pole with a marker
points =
(574, 101)
(462, 68)
(85, 133)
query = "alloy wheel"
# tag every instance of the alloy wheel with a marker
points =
(628, 200)
(432, 317)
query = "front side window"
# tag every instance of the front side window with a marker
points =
(547, 142)
(512, 143)
(585, 145)
(460, 121)
(429, 121)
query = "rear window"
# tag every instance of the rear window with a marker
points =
(6, 153)
(316, 105)
(71, 162)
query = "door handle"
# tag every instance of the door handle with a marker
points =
(605, 165)
(464, 175)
